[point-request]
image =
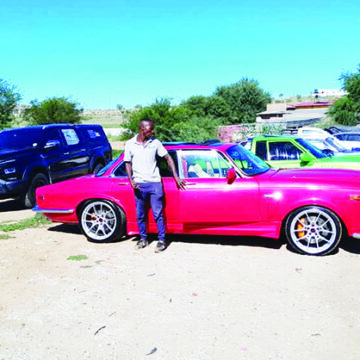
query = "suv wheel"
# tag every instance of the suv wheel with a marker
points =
(97, 167)
(38, 180)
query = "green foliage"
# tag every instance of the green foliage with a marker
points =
(9, 97)
(36, 221)
(352, 85)
(346, 110)
(53, 111)
(116, 153)
(77, 257)
(244, 100)
(172, 123)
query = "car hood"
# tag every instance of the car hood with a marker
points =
(8, 153)
(346, 156)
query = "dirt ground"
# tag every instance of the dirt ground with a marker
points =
(203, 298)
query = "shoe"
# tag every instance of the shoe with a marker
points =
(160, 246)
(141, 244)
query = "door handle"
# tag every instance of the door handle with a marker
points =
(123, 184)
(190, 183)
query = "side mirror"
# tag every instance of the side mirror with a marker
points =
(231, 176)
(328, 152)
(305, 158)
(51, 144)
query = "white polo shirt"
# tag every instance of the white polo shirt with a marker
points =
(143, 159)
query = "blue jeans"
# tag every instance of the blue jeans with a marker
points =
(152, 192)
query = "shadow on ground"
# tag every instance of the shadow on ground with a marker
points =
(11, 205)
(195, 239)
(348, 244)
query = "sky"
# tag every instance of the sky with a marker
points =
(103, 53)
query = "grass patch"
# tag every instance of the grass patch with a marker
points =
(117, 153)
(77, 257)
(5, 237)
(34, 222)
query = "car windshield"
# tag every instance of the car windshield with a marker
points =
(245, 160)
(313, 149)
(105, 168)
(336, 144)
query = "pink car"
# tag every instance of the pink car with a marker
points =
(229, 191)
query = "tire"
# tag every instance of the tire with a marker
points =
(38, 180)
(97, 167)
(102, 221)
(313, 230)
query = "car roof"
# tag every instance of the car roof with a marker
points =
(276, 137)
(194, 146)
(347, 133)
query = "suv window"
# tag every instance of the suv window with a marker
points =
(71, 137)
(283, 151)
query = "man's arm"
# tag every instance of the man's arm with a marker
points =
(128, 168)
(180, 183)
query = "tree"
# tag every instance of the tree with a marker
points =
(346, 110)
(53, 111)
(9, 97)
(172, 123)
(244, 99)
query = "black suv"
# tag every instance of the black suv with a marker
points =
(38, 155)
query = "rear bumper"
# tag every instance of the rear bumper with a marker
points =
(53, 211)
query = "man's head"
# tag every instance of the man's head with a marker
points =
(146, 128)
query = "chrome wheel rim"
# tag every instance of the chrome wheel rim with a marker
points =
(99, 220)
(313, 231)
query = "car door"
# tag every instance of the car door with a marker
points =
(122, 190)
(209, 204)
(54, 154)
(77, 157)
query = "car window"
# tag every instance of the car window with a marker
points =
(203, 164)
(353, 137)
(71, 137)
(341, 136)
(283, 151)
(52, 134)
(261, 150)
(165, 171)
(120, 171)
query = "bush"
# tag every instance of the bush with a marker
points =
(344, 111)
(9, 97)
(53, 111)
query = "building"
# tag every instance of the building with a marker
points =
(328, 92)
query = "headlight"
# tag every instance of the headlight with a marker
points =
(10, 171)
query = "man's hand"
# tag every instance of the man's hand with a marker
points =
(181, 184)
(134, 185)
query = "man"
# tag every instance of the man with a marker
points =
(141, 167)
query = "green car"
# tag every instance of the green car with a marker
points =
(295, 152)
